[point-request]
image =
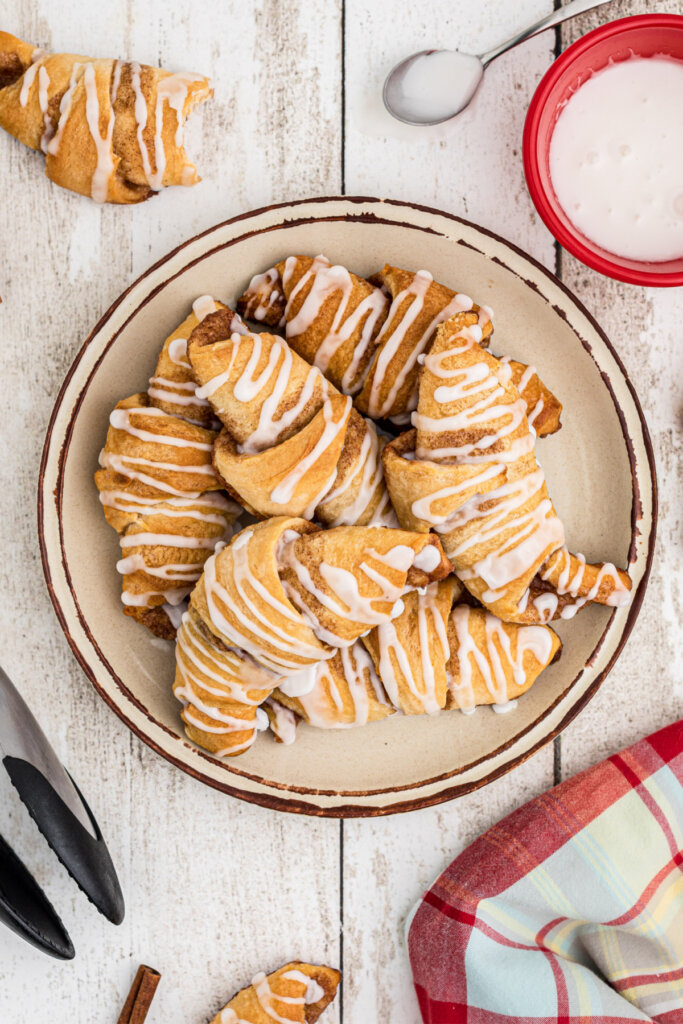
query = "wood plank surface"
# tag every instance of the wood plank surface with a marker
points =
(217, 889)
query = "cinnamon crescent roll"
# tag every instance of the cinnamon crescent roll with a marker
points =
(419, 304)
(493, 662)
(346, 692)
(292, 444)
(331, 317)
(438, 653)
(280, 598)
(173, 387)
(338, 322)
(470, 473)
(109, 129)
(410, 653)
(297, 992)
(159, 492)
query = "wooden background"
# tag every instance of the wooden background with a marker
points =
(217, 889)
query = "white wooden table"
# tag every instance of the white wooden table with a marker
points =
(217, 889)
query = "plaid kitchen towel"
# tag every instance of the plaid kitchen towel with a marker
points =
(568, 910)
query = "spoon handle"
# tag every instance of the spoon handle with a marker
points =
(569, 10)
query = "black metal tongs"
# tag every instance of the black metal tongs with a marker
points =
(65, 820)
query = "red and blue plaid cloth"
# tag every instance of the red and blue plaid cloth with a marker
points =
(570, 910)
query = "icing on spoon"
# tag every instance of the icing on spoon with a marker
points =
(432, 86)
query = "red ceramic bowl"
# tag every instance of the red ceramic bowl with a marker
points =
(644, 36)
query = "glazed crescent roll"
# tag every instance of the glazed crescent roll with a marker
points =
(109, 129)
(279, 599)
(220, 689)
(346, 692)
(173, 387)
(410, 653)
(292, 444)
(337, 321)
(159, 492)
(438, 653)
(297, 992)
(419, 304)
(473, 477)
(494, 662)
(543, 408)
(331, 317)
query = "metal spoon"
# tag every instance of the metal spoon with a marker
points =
(419, 101)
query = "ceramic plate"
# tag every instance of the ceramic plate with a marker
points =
(599, 468)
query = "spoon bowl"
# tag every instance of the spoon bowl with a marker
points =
(432, 86)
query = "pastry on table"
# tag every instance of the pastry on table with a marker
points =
(292, 444)
(469, 471)
(297, 992)
(283, 596)
(365, 345)
(109, 129)
(159, 492)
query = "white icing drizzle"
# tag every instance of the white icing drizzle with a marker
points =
(392, 652)
(175, 613)
(312, 993)
(284, 722)
(169, 572)
(229, 674)
(203, 306)
(422, 508)
(248, 386)
(496, 660)
(326, 281)
(64, 111)
(392, 336)
(347, 600)
(165, 390)
(427, 559)
(283, 492)
(228, 724)
(120, 419)
(467, 381)
(177, 352)
(28, 80)
(175, 596)
(369, 463)
(43, 100)
(104, 167)
(37, 70)
(359, 672)
(124, 464)
(291, 653)
(618, 597)
(173, 90)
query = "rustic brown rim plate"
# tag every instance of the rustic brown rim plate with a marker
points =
(600, 470)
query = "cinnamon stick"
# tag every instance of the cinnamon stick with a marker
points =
(140, 997)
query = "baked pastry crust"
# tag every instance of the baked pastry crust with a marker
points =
(363, 342)
(298, 992)
(470, 472)
(291, 443)
(109, 129)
